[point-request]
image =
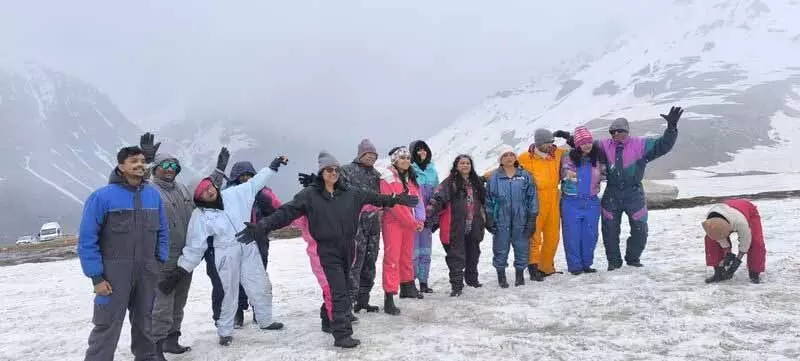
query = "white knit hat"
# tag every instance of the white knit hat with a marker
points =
(505, 149)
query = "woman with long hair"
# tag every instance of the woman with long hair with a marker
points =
(457, 206)
(399, 225)
(581, 173)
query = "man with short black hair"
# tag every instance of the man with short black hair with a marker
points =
(123, 240)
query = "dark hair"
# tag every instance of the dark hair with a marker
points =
(412, 176)
(474, 179)
(127, 152)
(415, 147)
(576, 154)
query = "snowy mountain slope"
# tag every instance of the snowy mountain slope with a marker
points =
(730, 63)
(61, 140)
(663, 311)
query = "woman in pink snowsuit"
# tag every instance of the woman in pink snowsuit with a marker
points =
(399, 226)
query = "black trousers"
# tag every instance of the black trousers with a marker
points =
(462, 260)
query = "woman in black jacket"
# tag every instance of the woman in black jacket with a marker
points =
(457, 206)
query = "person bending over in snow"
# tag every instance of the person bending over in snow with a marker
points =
(543, 161)
(333, 211)
(361, 173)
(457, 207)
(427, 179)
(178, 204)
(734, 216)
(627, 158)
(123, 241)
(582, 170)
(221, 215)
(512, 204)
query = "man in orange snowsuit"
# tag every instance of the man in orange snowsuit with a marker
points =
(543, 161)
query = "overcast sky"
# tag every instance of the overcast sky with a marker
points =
(409, 66)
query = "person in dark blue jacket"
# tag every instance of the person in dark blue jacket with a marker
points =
(123, 240)
(512, 205)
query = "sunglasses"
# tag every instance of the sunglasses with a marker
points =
(331, 169)
(170, 165)
(615, 131)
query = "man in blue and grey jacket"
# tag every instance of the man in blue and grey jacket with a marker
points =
(124, 239)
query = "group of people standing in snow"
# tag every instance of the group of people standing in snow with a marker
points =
(145, 238)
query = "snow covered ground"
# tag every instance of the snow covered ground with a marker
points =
(661, 312)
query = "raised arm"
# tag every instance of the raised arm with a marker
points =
(286, 213)
(656, 147)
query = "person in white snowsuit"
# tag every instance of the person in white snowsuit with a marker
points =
(222, 215)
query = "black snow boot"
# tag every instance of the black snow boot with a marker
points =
(409, 290)
(347, 342)
(326, 325)
(519, 278)
(635, 264)
(535, 274)
(501, 278)
(612, 267)
(171, 345)
(719, 275)
(367, 307)
(474, 284)
(755, 277)
(238, 320)
(273, 326)
(159, 356)
(575, 273)
(388, 305)
(423, 287)
(225, 340)
(589, 270)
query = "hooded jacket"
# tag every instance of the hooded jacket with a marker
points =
(222, 224)
(122, 226)
(427, 176)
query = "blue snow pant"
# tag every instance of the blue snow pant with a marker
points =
(579, 226)
(629, 200)
(422, 255)
(503, 240)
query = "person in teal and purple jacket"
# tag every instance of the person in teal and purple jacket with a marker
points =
(427, 179)
(627, 159)
(581, 173)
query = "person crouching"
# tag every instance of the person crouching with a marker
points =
(734, 216)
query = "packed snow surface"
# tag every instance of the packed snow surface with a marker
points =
(663, 311)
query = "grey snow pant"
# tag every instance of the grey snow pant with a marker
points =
(133, 290)
(362, 275)
(168, 309)
(242, 263)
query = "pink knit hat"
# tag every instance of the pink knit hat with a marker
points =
(202, 187)
(582, 136)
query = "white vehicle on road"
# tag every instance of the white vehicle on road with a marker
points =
(26, 240)
(50, 231)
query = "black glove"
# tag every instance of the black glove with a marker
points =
(223, 158)
(168, 284)
(148, 148)
(728, 260)
(277, 162)
(250, 232)
(406, 199)
(732, 267)
(306, 179)
(673, 117)
(530, 226)
(561, 134)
